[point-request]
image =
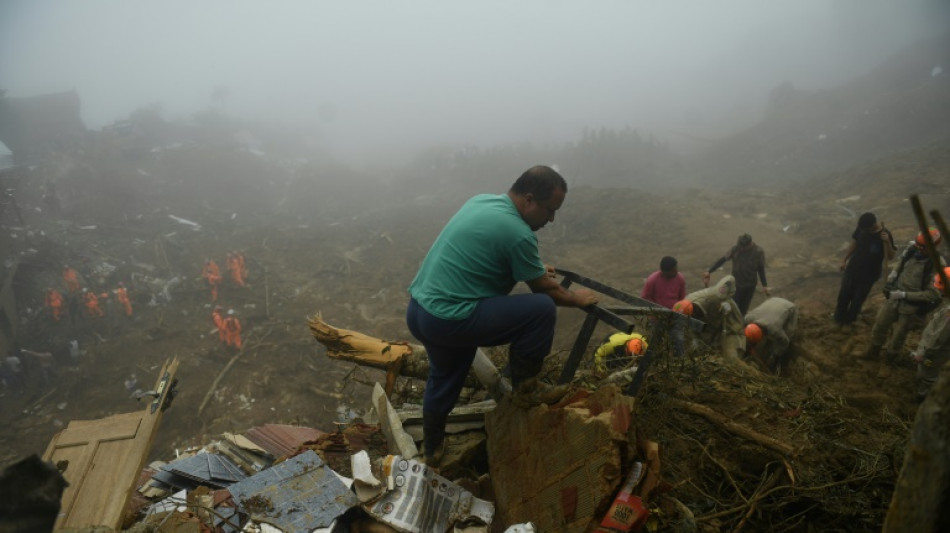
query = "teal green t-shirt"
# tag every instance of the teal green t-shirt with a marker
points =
(483, 251)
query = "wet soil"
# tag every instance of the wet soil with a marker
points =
(350, 253)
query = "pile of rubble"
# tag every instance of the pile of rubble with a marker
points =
(364, 475)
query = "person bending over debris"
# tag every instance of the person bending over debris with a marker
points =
(933, 351)
(71, 278)
(768, 331)
(219, 322)
(232, 331)
(212, 274)
(122, 296)
(714, 306)
(237, 268)
(54, 300)
(460, 297)
(618, 350)
(92, 304)
(910, 296)
(748, 260)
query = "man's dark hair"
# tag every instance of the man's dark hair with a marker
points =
(667, 264)
(540, 181)
(866, 220)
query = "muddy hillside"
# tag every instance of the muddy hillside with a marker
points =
(148, 210)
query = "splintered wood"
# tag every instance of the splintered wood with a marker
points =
(397, 358)
(355, 346)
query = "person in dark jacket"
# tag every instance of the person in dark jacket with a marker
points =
(871, 246)
(748, 266)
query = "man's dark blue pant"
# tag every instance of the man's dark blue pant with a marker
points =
(526, 321)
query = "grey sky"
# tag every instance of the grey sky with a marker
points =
(386, 78)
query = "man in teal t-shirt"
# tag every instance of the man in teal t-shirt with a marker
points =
(460, 296)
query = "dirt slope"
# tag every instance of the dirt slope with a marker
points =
(353, 265)
(324, 239)
(902, 104)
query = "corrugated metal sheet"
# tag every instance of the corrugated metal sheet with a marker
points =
(298, 495)
(279, 439)
(208, 469)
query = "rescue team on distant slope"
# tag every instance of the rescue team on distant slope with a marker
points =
(78, 303)
(460, 299)
(229, 327)
(764, 334)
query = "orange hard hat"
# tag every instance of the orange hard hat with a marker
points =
(753, 333)
(938, 283)
(635, 347)
(934, 236)
(684, 306)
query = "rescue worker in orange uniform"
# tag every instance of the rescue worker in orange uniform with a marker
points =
(122, 296)
(92, 304)
(54, 300)
(232, 330)
(71, 277)
(218, 322)
(235, 262)
(212, 274)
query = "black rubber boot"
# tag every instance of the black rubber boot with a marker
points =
(433, 435)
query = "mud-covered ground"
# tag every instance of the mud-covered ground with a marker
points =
(349, 254)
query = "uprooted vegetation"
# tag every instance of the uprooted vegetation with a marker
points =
(737, 430)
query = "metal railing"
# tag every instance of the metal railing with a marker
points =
(614, 316)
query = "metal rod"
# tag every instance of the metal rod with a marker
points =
(925, 231)
(942, 226)
(580, 346)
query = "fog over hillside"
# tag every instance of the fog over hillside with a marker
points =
(379, 82)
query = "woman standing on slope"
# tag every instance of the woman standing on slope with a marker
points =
(871, 246)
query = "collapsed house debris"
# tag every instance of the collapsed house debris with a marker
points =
(282, 476)
(820, 444)
(565, 488)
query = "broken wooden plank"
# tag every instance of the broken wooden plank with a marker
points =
(103, 459)
(735, 428)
